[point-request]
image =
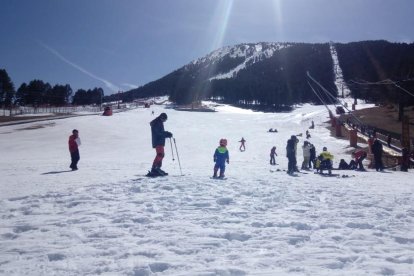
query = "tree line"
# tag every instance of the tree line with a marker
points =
(378, 71)
(39, 93)
(274, 83)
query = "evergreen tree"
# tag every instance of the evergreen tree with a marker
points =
(35, 93)
(7, 92)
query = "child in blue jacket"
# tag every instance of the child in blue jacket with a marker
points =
(221, 156)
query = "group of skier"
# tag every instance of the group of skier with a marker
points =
(221, 155)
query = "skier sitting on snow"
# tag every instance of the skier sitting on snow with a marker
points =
(221, 156)
(324, 161)
(343, 165)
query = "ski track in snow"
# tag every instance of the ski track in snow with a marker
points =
(254, 223)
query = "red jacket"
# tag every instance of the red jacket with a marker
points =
(359, 154)
(73, 146)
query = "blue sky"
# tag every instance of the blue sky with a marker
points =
(121, 44)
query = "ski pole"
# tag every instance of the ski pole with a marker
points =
(178, 157)
(172, 150)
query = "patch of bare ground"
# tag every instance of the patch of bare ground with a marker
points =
(6, 119)
(384, 117)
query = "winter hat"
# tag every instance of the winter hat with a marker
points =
(163, 116)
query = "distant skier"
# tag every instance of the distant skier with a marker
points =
(359, 156)
(377, 151)
(221, 156)
(158, 135)
(389, 139)
(308, 134)
(74, 143)
(242, 144)
(272, 156)
(312, 125)
(291, 154)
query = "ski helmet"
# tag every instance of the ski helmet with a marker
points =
(163, 116)
(223, 142)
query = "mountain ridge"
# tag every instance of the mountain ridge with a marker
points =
(273, 74)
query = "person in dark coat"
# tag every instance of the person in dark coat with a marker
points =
(377, 151)
(159, 135)
(272, 156)
(291, 154)
(74, 143)
(405, 160)
(312, 158)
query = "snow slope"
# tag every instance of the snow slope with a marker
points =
(108, 219)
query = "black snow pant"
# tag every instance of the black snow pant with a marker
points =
(75, 159)
(272, 160)
(360, 165)
(378, 163)
(291, 164)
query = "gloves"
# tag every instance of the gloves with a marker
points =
(168, 134)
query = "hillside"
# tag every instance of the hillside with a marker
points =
(273, 76)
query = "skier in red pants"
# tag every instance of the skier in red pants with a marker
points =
(158, 142)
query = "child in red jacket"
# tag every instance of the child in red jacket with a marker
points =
(74, 143)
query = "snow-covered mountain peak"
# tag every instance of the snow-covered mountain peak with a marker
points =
(247, 54)
(241, 51)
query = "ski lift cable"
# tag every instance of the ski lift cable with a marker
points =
(356, 118)
(385, 82)
(319, 97)
(403, 89)
(334, 100)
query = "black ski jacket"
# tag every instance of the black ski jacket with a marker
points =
(158, 133)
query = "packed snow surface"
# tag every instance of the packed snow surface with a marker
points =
(107, 218)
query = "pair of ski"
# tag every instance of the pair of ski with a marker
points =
(296, 172)
(153, 175)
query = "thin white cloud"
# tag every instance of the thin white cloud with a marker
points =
(130, 85)
(107, 83)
